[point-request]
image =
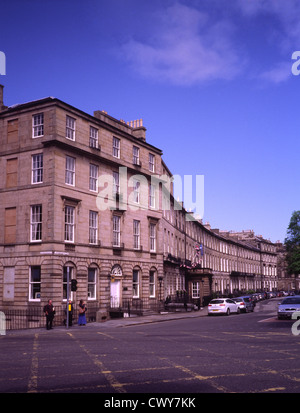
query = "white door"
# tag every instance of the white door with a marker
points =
(115, 293)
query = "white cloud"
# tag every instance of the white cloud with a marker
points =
(185, 49)
(188, 46)
(285, 12)
(278, 74)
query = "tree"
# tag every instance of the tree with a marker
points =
(292, 244)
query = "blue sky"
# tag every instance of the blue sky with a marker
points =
(211, 79)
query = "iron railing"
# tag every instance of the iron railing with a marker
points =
(135, 306)
(34, 317)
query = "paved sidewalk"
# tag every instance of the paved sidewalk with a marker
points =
(119, 322)
(154, 318)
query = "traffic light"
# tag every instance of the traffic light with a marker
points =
(73, 285)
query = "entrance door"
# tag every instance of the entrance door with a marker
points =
(115, 289)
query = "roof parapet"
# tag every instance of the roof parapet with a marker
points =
(133, 127)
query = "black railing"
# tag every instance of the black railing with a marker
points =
(135, 306)
(34, 317)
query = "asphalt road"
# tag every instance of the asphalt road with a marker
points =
(246, 353)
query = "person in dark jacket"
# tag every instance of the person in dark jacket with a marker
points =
(49, 312)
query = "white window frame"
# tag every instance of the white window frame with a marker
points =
(94, 172)
(38, 125)
(195, 289)
(136, 234)
(136, 155)
(136, 191)
(116, 147)
(152, 230)
(70, 171)
(92, 284)
(94, 137)
(70, 128)
(93, 227)
(116, 183)
(152, 196)
(36, 223)
(152, 285)
(71, 274)
(37, 168)
(116, 231)
(35, 283)
(135, 283)
(151, 162)
(69, 228)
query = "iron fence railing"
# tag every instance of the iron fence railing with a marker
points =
(34, 317)
(136, 306)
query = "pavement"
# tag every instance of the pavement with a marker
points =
(124, 322)
(153, 318)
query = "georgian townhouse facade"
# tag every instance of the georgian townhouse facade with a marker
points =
(84, 195)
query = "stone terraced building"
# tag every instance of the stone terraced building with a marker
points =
(82, 196)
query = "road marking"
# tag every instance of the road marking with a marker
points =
(268, 319)
(271, 389)
(105, 335)
(196, 376)
(32, 383)
(107, 373)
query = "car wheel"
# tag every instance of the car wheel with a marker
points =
(228, 311)
(238, 310)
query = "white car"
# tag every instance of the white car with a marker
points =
(223, 306)
(288, 307)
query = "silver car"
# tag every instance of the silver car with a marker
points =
(223, 306)
(288, 306)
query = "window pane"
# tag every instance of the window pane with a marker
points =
(93, 227)
(135, 283)
(70, 128)
(92, 283)
(38, 125)
(69, 223)
(37, 168)
(35, 282)
(36, 223)
(116, 231)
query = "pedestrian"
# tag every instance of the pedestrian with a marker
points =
(49, 313)
(82, 311)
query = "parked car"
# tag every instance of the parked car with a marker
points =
(288, 306)
(223, 306)
(245, 303)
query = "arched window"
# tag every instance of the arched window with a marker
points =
(92, 282)
(152, 282)
(116, 271)
(136, 282)
(68, 269)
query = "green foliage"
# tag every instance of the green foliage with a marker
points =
(292, 244)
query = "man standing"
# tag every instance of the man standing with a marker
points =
(49, 312)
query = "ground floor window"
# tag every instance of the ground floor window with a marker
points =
(152, 283)
(65, 277)
(92, 277)
(195, 289)
(135, 283)
(35, 283)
